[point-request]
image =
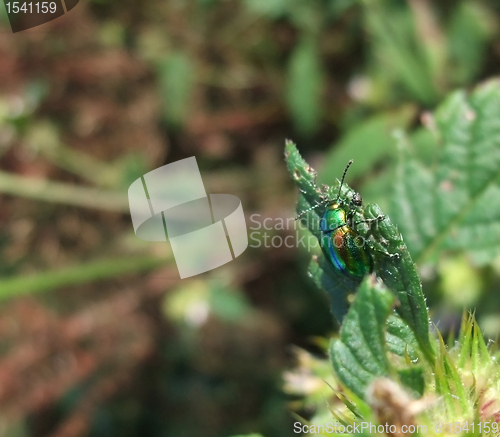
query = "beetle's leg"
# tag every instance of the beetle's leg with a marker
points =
(370, 244)
(390, 255)
(376, 219)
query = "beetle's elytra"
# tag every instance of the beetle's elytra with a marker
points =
(345, 249)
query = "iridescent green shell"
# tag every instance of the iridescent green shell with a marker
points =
(344, 247)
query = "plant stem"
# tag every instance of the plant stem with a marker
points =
(59, 192)
(82, 273)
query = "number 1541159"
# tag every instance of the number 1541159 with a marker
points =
(30, 8)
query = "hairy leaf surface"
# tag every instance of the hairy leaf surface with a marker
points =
(359, 356)
(454, 204)
(399, 274)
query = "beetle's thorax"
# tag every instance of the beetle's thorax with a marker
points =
(334, 216)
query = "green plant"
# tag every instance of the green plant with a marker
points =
(390, 370)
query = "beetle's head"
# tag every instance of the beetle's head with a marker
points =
(356, 199)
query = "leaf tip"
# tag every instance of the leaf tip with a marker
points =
(289, 146)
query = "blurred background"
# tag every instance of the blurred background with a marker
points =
(98, 336)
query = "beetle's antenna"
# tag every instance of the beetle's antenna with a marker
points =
(326, 199)
(343, 176)
(312, 207)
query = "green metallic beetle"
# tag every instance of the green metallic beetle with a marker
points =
(346, 250)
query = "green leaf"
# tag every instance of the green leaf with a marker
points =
(430, 40)
(272, 8)
(423, 143)
(399, 274)
(85, 272)
(338, 7)
(397, 50)
(400, 338)
(305, 85)
(413, 378)
(338, 286)
(456, 203)
(471, 27)
(370, 141)
(473, 351)
(359, 355)
(229, 305)
(449, 384)
(176, 75)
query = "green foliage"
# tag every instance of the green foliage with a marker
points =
(400, 339)
(248, 435)
(399, 273)
(416, 54)
(271, 8)
(359, 355)
(455, 204)
(454, 368)
(338, 286)
(305, 85)
(305, 14)
(177, 77)
(16, 286)
(370, 332)
(461, 385)
(471, 27)
(446, 197)
(413, 378)
(397, 50)
(367, 142)
(328, 62)
(191, 304)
